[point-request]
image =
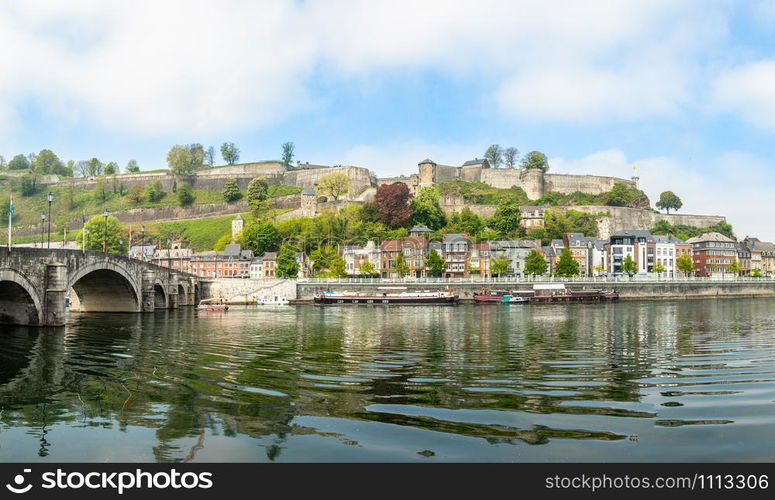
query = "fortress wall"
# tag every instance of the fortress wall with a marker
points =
(270, 169)
(590, 184)
(360, 178)
(472, 173)
(503, 178)
(446, 173)
(622, 218)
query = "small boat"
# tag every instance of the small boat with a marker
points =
(212, 305)
(490, 296)
(513, 299)
(403, 298)
(275, 301)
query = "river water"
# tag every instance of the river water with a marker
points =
(632, 381)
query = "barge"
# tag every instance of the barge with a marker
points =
(403, 298)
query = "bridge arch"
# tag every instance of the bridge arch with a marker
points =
(160, 297)
(183, 294)
(19, 301)
(105, 287)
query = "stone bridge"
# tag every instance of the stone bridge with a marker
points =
(34, 283)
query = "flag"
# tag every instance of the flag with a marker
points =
(10, 211)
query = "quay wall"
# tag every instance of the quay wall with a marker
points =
(628, 290)
(246, 291)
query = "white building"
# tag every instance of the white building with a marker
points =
(354, 256)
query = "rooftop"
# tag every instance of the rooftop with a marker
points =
(712, 236)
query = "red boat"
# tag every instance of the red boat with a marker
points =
(490, 296)
(211, 305)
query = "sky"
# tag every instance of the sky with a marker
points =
(683, 90)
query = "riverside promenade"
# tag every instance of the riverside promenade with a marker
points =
(635, 288)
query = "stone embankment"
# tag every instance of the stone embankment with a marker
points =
(628, 290)
(247, 291)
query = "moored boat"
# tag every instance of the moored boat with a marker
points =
(403, 298)
(555, 292)
(514, 299)
(212, 305)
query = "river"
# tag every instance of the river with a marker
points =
(629, 381)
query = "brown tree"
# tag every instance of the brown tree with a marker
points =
(392, 202)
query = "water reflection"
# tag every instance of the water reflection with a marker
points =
(631, 381)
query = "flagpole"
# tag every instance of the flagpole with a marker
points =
(10, 223)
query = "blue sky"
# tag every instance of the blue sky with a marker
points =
(683, 89)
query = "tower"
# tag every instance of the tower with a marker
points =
(427, 171)
(237, 223)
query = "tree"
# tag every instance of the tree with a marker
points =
(46, 162)
(566, 266)
(756, 273)
(95, 167)
(287, 267)
(668, 200)
(659, 268)
(224, 240)
(685, 264)
(734, 267)
(261, 237)
(155, 192)
(466, 221)
(111, 168)
(368, 269)
(392, 202)
(3, 163)
(435, 263)
(510, 156)
(100, 192)
(629, 266)
(210, 156)
(19, 162)
(231, 191)
(258, 191)
(82, 168)
(401, 267)
(337, 268)
(115, 235)
(230, 153)
(426, 209)
(185, 159)
(535, 159)
(506, 218)
(535, 265)
(28, 187)
(288, 152)
(322, 258)
(494, 155)
(132, 167)
(135, 195)
(186, 195)
(500, 266)
(335, 184)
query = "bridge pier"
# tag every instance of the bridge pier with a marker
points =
(172, 292)
(56, 291)
(149, 294)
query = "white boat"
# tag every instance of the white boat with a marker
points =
(274, 301)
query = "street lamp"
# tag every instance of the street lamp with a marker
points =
(105, 234)
(50, 199)
(42, 226)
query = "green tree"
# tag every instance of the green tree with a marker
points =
(111, 168)
(506, 218)
(19, 162)
(668, 200)
(322, 258)
(185, 159)
(734, 267)
(210, 156)
(224, 240)
(113, 232)
(500, 266)
(261, 237)
(28, 187)
(659, 268)
(566, 266)
(756, 273)
(135, 195)
(494, 155)
(535, 265)
(629, 266)
(258, 191)
(426, 208)
(288, 152)
(230, 153)
(368, 269)
(94, 167)
(466, 221)
(287, 267)
(155, 192)
(100, 192)
(337, 268)
(685, 264)
(435, 263)
(335, 185)
(186, 195)
(3, 163)
(401, 267)
(231, 191)
(535, 159)
(132, 167)
(46, 162)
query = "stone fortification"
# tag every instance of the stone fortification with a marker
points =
(621, 218)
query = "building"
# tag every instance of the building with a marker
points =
(176, 257)
(233, 262)
(712, 253)
(355, 256)
(420, 231)
(667, 250)
(479, 260)
(762, 255)
(589, 252)
(743, 259)
(237, 225)
(632, 243)
(531, 217)
(414, 251)
(142, 252)
(549, 255)
(516, 251)
(455, 248)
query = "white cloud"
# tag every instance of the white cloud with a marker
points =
(177, 67)
(748, 90)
